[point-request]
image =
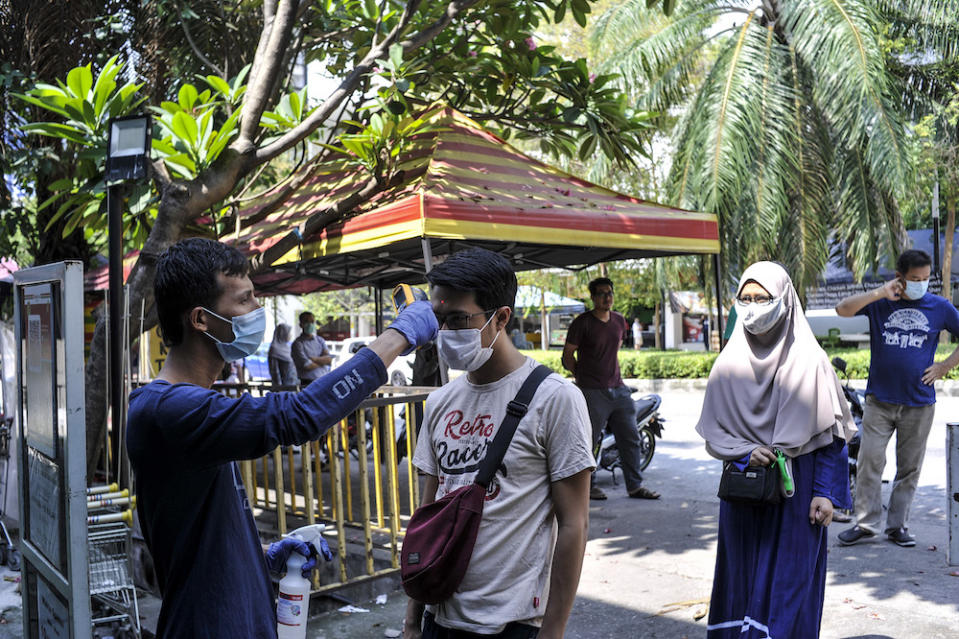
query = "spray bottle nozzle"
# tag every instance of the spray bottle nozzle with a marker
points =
(312, 533)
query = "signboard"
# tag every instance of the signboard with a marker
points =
(152, 353)
(828, 295)
(48, 307)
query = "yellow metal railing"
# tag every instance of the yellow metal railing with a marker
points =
(330, 481)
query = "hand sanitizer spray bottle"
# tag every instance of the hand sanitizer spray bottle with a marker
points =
(293, 602)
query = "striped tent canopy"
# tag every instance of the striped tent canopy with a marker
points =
(462, 186)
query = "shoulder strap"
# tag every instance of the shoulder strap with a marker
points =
(515, 411)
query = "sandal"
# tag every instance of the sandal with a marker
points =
(643, 493)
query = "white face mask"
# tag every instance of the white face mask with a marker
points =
(915, 290)
(463, 349)
(758, 319)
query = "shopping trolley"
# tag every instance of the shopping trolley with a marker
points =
(113, 596)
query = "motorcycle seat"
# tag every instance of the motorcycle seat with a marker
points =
(646, 405)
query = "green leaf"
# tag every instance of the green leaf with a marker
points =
(296, 107)
(219, 84)
(170, 107)
(181, 164)
(56, 130)
(50, 200)
(184, 127)
(43, 104)
(80, 81)
(187, 97)
(61, 184)
(396, 56)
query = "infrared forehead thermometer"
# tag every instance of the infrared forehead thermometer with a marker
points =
(404, 295)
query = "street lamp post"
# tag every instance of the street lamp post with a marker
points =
(128, 151)
(935, 233)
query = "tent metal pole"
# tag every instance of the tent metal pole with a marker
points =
(427, 255)
(720, 324)
(378, 308)
(427, 267)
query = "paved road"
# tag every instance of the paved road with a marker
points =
(648, 568)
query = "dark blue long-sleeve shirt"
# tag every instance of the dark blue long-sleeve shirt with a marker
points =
(183, 441)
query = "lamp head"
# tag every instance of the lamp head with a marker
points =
(128, 148)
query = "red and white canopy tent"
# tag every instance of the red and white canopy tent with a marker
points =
(464, 186)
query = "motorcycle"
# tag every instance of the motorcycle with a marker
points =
(857, 400)
(649, 423)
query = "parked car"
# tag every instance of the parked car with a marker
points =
(257, 365)
(400, 372)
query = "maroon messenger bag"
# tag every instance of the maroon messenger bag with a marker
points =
(440, 536)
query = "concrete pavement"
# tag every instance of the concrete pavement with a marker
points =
(648, 567)
(649, 564)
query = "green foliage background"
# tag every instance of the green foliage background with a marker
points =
(650, 364)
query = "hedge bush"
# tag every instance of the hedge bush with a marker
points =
(652, 364)
(643, 364)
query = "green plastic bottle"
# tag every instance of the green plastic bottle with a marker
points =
(788, 488)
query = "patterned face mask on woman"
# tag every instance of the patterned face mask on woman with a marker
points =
(760, 318)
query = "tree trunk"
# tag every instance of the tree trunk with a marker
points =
(179, 205)
(947, 254)
(657, 320)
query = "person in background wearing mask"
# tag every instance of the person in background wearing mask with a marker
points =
(773, 389)
(526, 563)
(904, 325)
(184, 438)
(591, 354)
(280, 358)
(310, 355)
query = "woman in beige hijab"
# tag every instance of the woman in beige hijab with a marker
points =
(772, 389)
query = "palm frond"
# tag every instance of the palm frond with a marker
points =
(838, 41)
(655, 56)
(862, 213)
(931, 25)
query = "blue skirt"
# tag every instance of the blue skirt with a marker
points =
(770, 567)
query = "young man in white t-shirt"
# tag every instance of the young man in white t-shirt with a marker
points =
(525, 567)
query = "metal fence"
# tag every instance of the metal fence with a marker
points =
(358, 479)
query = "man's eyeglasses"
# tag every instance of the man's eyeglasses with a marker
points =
(459, 321)
(604, 294)
(761, 300)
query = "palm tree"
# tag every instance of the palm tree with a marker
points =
(796, 135)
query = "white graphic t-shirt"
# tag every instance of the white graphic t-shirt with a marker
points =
(508, 576)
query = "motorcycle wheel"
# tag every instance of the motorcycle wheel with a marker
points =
(647, 446)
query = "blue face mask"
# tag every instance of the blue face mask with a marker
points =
(248, 330)
(915, 290)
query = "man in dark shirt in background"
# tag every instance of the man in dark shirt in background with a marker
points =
(590, 354)
(184, 438)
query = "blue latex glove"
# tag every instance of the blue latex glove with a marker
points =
(418, 325)
(325, 551)
(279, 552)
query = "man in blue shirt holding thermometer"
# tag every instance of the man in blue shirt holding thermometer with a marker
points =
(185, 438)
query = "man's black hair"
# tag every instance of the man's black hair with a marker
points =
(186, 278)
(912, 258)
(303, 316)
(599, 281)
(488, 275)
